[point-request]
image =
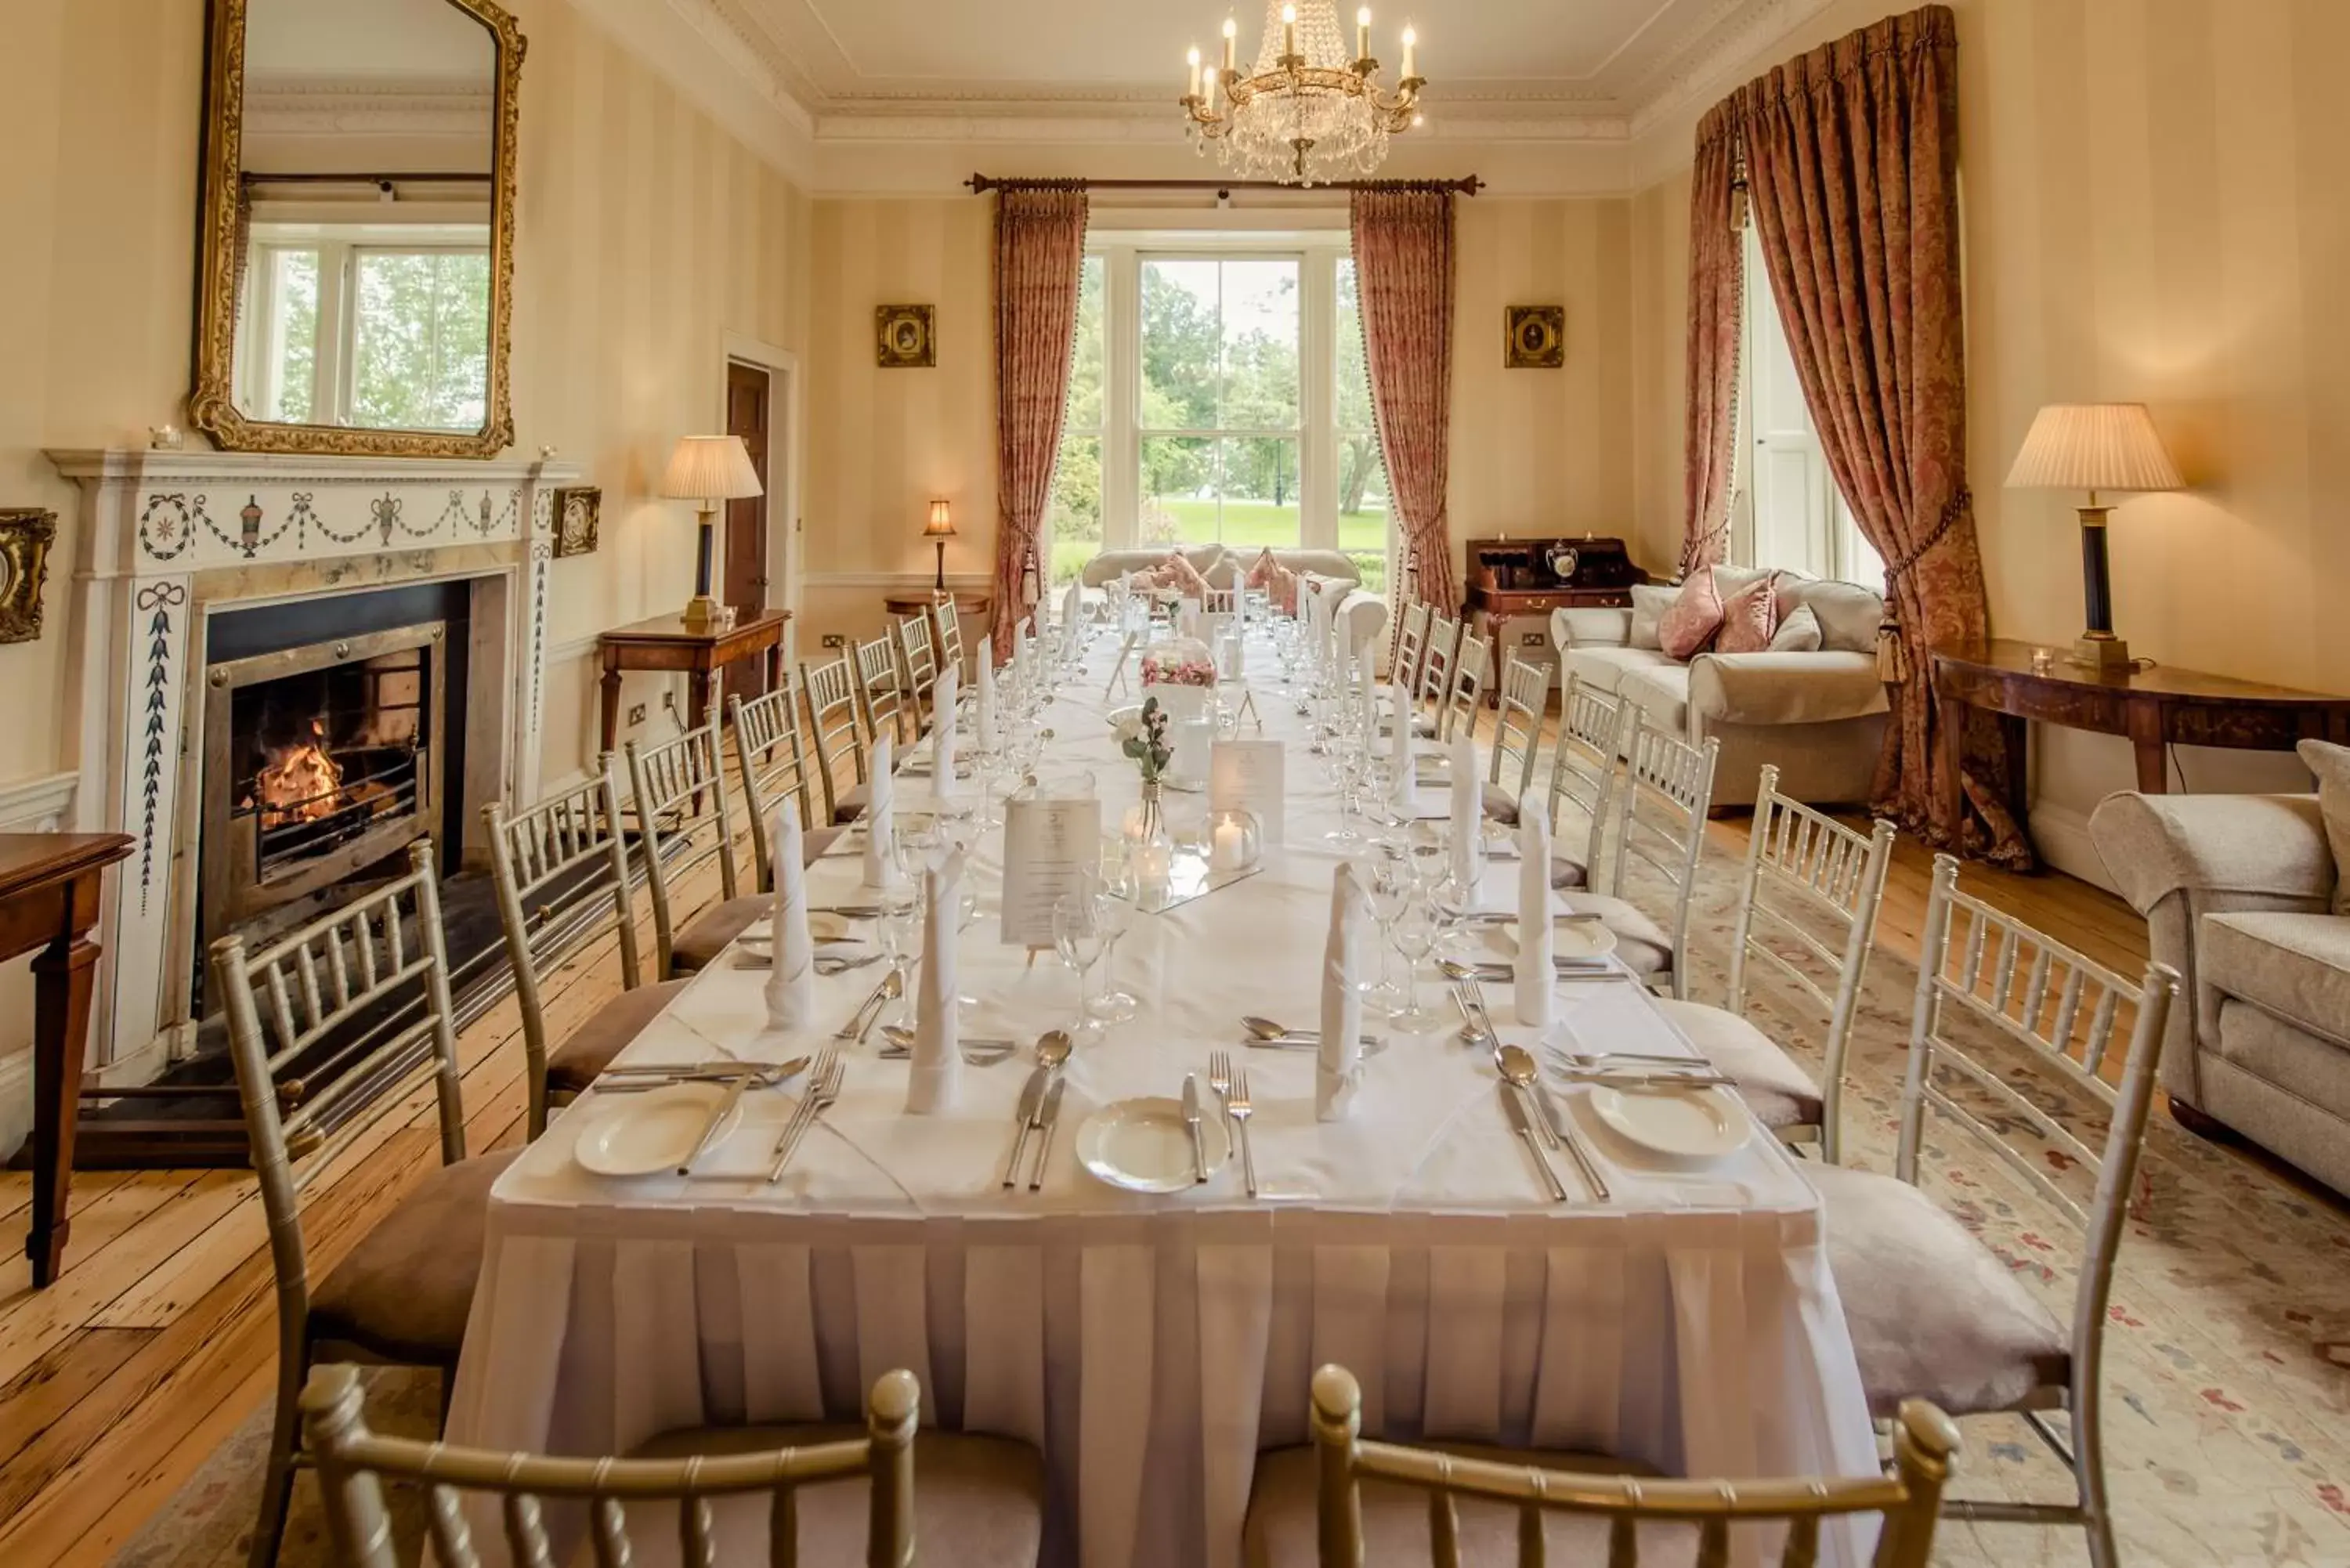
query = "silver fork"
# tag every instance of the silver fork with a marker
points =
(823, 1088)
(1237, 1106)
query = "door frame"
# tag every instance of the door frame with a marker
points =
(783, 448)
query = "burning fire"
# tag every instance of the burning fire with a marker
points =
(301, 783)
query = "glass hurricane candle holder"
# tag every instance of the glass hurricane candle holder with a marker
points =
(1232, 840)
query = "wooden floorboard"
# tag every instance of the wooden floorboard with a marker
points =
(160, 1338)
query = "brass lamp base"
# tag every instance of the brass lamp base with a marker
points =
(701, 613)
(2106, 652)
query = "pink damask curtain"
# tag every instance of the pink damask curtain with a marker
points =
(1716, 297)
(1403, 265)
(1852, 162)
(1040, 250)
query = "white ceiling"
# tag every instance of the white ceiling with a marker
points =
(1588, 61)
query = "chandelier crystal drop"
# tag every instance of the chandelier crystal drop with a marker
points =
(1310, 111)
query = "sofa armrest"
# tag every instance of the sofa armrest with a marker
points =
(1589, 628)
(2261, 847)
(1813, 688)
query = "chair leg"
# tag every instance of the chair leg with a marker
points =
(277, 1487)
(2089, 1475)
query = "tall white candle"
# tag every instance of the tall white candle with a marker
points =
(1289, 29)
(1193, 59)
(1231, 41)
(1410, 47)
(1363, 33)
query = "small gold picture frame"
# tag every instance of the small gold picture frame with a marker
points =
(903, 337)
(1537, 338)
(25, 535)
(577, 510)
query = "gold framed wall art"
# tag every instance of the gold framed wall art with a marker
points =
(25, 535)
(903, 335)
(1537, 338)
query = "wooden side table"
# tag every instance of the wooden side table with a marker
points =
(49, 884)
(2154, 708)
(664, 644)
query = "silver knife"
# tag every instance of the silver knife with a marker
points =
(1049, 1121)
(1524, 1127)
(1032, 1097)
(1192, 1120)
(726, 1104)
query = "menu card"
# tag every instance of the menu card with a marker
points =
(1050, 843)
(1246, 775)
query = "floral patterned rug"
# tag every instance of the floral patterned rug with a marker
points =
(2227, 1350)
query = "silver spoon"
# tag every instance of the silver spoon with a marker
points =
(979, 1053)
(1517, 1065)
(1265, 1031)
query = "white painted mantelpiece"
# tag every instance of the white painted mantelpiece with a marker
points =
(166, 538)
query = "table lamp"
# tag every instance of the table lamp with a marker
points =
(2095, 447)
(942, 529)
(708, 470)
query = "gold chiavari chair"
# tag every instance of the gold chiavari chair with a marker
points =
(1411, 647)
(1661, 812)
(561, 869)
(1436, 671)
(1931, 1308)
(1805, 874)
(735, 1497)
(370, 983)
(1456, 712)
(918, 668)
(1347, 1502)
(1583, 771)
(1517, 736)
(684, 821)
(880, 690)
(774, 758)
(947, 622)
(838, 734)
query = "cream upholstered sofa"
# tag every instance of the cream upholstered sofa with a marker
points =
(1819, 715)
(2241, 895)
(1220, 565)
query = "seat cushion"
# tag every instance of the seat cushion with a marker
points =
(816, 840)
(979, 1502)
(1280, 1529)
(1499, 808)
(403, 1292)
(706, 935)
(2292, 965)
(1567, 872)
(849, 805)
(1640, 943)
(584, 1054)
(1775, 1088)
(1662, 692)
(2310, 1070)
(1603, 666)
(1934, 1314)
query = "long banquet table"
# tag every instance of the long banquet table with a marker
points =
(1152, 1346)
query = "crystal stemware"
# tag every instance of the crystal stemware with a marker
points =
(1081, 935)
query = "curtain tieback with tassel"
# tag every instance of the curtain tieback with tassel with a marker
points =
(1893, 665)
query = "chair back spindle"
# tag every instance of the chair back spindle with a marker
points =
(836, 729)
(683, 820)
(1660, 818)
(773, 754)
(1583, 769)
(1517, 726)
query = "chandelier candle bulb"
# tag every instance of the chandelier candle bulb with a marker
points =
(1289, 32)
(1363, 33)
(1410, 48)
(1193, 58)
(1231, 44)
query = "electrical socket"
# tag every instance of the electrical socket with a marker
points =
(1532, 638)
(636, 714)
(835, 640)
(669, 702)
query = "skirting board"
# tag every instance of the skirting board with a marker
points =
(2061, 836)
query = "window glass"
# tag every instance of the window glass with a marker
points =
(420, 342)
(289, 375)
(1219, 401)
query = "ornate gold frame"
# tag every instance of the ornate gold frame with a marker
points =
(212, 405)
(25, 535)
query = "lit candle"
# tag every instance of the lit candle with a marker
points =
(1410, 43)
(1363, 33)
(1232, 35)
(1208, 105)
(1229, 850)
(1289, 29)
(1193, 57)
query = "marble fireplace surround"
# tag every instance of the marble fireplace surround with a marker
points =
(168, 539)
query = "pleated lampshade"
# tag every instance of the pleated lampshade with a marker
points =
(2093, 446)
(710, 468)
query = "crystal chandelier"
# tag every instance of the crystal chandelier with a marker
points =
(1308, 113)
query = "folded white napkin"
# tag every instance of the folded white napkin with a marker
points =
(983, 700)
(1339, 1072)
(791, 979)
(880, 867)
(1468, 812)
(943, 698)
(1366, 694)
(1073, 604)
(935, 1081)
(1533, 974)
(1403, 784)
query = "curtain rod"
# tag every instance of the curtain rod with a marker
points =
(250, 177)
(978, 184)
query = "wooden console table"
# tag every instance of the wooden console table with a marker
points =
(2154, 708)
(663, 644)
(48, 900)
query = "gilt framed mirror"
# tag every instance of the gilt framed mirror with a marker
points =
(356, 282)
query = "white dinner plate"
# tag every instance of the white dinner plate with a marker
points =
(1695, 1127)
(822, 927)
(639, 1135)
(1143, 1144)
(1576, 942)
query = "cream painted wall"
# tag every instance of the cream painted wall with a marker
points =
(645, 235)
(2153, 211)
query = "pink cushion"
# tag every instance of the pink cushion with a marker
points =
(1693, 619)
(1278, 581)
(1750, 618)
(1183, 575)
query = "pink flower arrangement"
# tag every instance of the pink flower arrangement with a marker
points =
(1160, 670)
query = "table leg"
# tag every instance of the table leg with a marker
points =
(1949, 761)
(776, 664)
(2153, 772)
(697, 699)
(62, 978)
(611, 706)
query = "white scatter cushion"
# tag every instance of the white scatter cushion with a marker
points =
(2330, 763)
(1730, 580)
(1799, 633)
(1649, 602)
(1848, 614)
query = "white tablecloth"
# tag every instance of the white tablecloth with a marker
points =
(1150, 1347)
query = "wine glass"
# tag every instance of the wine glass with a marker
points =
(901, 926)
(1389, 884)
(1414, 934)
(1081, 935)
(1116, 914)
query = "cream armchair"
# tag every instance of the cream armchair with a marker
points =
(2235, 891)
(1819, 716)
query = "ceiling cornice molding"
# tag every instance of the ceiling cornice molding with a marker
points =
(754, 57)
(1077, 129)
(368, 106)
(1739, 48)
